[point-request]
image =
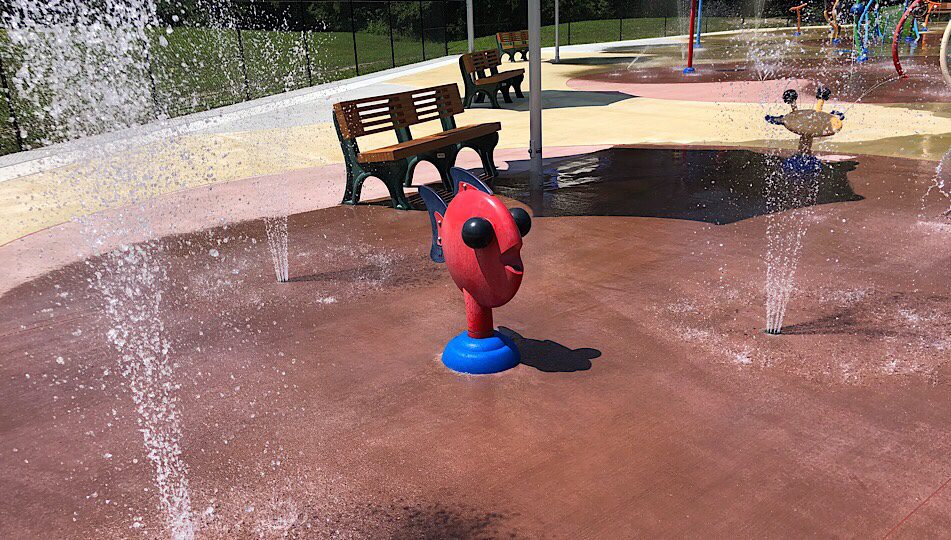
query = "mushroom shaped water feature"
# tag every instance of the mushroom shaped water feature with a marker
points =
(809, 123)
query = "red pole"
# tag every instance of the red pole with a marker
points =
(897, 34)
(478, 318)
(693, 25)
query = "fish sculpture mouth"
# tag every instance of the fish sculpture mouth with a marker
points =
(512, 262)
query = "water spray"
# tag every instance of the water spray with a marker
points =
(794, 186)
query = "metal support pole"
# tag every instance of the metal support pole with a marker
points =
(422, 31)
(470, 25)
(445, 27)
(13, 115)
(157, 108)
(244, 64)
(353, 33)
(310, 73)
(557, 26)
(389, 17)
(535, 85)
(306, 38)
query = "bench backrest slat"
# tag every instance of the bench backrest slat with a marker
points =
(391, 112)
(519, 38)
(480, 61)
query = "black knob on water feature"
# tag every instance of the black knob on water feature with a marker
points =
(522, 220)
(823, 92)
(790, 96)
(477, 232)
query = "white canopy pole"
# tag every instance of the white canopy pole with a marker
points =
(535, 84)
(470, 25)
(557, 57)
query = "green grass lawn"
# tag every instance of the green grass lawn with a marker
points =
(197, 69)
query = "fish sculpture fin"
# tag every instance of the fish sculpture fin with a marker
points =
(434, 204)
(461, 175)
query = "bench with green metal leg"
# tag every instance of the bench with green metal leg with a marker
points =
(482, 79)
(395, 164)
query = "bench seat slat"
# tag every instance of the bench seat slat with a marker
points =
(504, 76)
(428, 143)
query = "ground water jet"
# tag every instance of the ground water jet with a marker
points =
(276, 229)
(131, 282)
(84, 71)
(790, 192)
(940, 182)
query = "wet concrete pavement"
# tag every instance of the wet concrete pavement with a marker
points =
(652, 403)
(715, 186)
(875, 81)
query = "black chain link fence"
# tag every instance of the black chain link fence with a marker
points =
(207, 54)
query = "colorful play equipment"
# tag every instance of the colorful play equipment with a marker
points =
(699, 21)
(936, 7)
(865, 29)
(874, 19)
(917, 11)
(831, 13)
(798, 11)
(809, 123)
(480, 241)
(690, 41)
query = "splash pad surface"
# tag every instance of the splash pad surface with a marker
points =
(648, 387)
(649, 399)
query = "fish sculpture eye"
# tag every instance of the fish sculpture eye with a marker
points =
(522, 220)
(477, 232)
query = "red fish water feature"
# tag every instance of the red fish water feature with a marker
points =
(480, 241)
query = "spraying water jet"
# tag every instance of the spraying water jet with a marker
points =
(790, 191)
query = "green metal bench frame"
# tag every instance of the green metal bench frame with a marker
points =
(395, 164)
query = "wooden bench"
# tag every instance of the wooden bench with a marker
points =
(482, 79)
(394, 164)
(936, 7)
(512, 43)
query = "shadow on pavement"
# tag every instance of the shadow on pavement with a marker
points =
(549, 356)
(713, 186)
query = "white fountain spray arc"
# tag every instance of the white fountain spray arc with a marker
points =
(84, 71)
(790, 205)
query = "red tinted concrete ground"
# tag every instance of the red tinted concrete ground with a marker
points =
(650, 402)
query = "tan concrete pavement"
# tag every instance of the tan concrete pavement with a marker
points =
(35, 202)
